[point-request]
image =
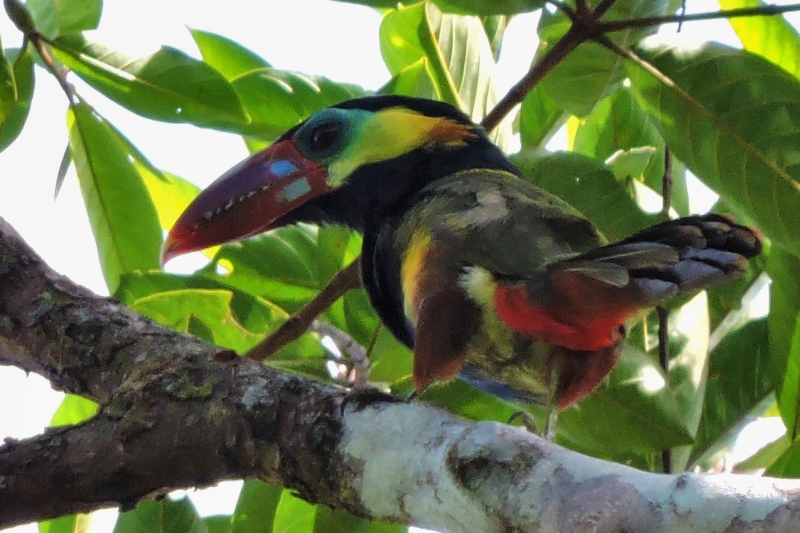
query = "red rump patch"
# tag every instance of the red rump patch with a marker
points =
(564, 325)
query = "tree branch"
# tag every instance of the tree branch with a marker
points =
(297, 324)
(646, 22)
(176, 418)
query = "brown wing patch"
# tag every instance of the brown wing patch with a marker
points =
(443, 315)
(447, 319)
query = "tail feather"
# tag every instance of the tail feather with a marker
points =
(676, 256)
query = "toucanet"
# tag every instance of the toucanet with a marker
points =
(483, 274)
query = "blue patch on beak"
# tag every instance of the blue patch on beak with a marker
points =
(282, 168)
(295, 190)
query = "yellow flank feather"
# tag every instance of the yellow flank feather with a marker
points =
(411, 271)
(393, 132)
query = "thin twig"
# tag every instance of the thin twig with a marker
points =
(666, 184)
(297, 324)
(356, 355)
(646, 22)
(518, 92)
(50, 63)
(663, 360)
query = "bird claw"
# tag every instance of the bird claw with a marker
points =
(365, 396)
(530, 423)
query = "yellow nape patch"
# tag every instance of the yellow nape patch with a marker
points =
(411, 271)
(396, 131)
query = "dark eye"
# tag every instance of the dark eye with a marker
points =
(324, 137)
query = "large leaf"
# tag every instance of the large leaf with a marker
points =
(13, 117)
(591, 71)
(739, 379)
(228, 57)
(275, 100)
(590, 187)
(212, 308)
(256, 507)
(61, 17)
(234, 317)
(76, 523)
(167, 85)
(482, 7)
(784, 334)
(772, 37)
(539, 118)
(456, 51)
(328, 520)
(294, 515)
(122, 216)
(73, 410)
(8, 90)
(164, 516)
(414, 80)
(732, 118)
(620, 132)
(617, 123)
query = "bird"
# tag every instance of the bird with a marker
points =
(485, 276)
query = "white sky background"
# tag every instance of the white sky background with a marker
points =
(321, 37)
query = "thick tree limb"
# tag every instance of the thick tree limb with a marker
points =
(173, 417)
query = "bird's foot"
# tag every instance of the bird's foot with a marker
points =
(364, 396)
(530, 423)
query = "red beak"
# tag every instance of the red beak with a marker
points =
(247, 200)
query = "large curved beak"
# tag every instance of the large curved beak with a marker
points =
(247, 200)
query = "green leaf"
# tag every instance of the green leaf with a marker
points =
(237, 316)
(635, 412)
(73, 410)
(276, 100)
(539, 118)
(122, 216)
(771, 37)
(218, 524)
(294, 515)
(256, 507)
(329, 520)
(732, 118)
(739, 380)
(495, 27)
(788, 464)
(167, 85)
(63, 168)
(228, 57)
(689, 332)
(13, 118)
(171, 194)
(414, 80)
(482, 7)
(75, 523)
(589, 186)
(456, 51)
(177, 309)
(8, 89)
(618, 122)
(61, 17)
(165, 516)
(591, 67)
(784, 334)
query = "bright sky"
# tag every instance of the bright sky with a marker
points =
(333, 39)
